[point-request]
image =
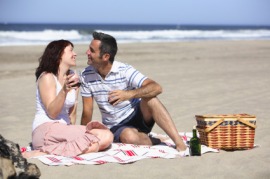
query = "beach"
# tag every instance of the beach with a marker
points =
(198, 77)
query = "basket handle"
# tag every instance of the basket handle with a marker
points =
(215, 125)
(245, 122)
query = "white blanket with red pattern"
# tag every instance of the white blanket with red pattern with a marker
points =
(124, 153)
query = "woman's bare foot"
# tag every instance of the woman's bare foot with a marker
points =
(33, 153)
(95, 125)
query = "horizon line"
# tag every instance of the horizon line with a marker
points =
(169, 24)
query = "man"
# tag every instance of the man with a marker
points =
(126, 98)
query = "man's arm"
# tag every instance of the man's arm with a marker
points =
(87, 111)
(149, 89)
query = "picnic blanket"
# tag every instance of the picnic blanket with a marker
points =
(125, 153)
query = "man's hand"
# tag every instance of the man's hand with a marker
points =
(117, 96)
(148, 89)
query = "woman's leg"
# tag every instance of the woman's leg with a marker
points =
(102, 132)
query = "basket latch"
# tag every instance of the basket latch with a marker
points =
(246, 122)
(214, 125)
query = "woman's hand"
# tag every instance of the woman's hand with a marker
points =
(95, 125)
(72, 81)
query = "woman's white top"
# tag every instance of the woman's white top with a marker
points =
(41, 115)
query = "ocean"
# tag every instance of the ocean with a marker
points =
(39, 34)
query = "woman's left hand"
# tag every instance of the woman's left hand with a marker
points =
(72, 81)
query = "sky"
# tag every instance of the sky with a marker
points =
(199, 12)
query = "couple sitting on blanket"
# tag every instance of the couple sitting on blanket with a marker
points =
(126, 98)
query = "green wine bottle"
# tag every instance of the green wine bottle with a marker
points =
(195, 144)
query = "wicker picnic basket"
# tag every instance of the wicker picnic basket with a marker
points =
(227, 132)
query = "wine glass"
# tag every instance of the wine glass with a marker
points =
(75, 77)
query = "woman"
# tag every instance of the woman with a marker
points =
(56, 99)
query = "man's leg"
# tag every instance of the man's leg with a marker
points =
(136, 130)
(152, 108)
(133, 136)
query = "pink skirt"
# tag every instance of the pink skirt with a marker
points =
(61, 139)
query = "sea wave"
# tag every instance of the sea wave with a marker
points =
(76, 36)
(37, 37)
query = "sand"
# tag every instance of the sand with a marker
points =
(198, 77)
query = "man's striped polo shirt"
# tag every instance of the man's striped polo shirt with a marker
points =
(121, 77)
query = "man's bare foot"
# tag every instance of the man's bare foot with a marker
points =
(162, 138)
(181, 148)
(158, 138)
(184, 153)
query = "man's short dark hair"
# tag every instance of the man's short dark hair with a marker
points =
(108, 44)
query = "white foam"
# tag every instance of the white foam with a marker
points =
(45, 36)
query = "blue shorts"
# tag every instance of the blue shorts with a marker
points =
(135, 120)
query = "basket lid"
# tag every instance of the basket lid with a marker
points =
(226, 116)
